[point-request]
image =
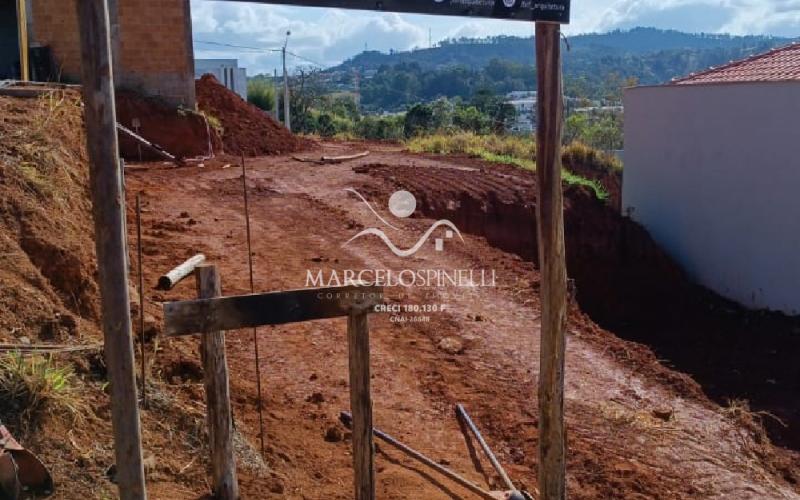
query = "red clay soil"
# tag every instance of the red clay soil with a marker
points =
(627, 284)
(181, 132)
(246, 129)
(637, 429)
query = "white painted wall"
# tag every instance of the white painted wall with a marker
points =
(713, 172)
(226, 71)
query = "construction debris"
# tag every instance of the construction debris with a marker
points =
(324, 160)
(21, 470)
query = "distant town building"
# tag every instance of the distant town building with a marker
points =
(227, 71)
(711, 171)
(524, 103)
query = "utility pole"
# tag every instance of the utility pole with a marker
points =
(357, 78)
(277, 96)
(287, 119)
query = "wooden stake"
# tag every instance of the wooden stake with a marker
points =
(141, 296)
(220, 421)
(22, 32)
(109, 225)
(361, 405)
(552, 264)
(260, 400)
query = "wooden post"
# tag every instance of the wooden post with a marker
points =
(220, 421)
(109, 226)
(552, 264)
(361, 405)
(22, 33)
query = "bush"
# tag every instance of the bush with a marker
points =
(380, 127)
(261, 94)
(34, 385)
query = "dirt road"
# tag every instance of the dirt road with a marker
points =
(635, 428)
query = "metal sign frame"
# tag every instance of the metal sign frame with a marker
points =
(555, 11)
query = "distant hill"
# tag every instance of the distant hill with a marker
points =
(595, 65)
(476, 53)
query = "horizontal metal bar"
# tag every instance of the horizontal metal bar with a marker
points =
(556, 11)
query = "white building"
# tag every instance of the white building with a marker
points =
(524, 102)
(227, 71)
(712, 170)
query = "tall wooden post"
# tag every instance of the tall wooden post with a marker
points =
(109, 227)
(218, 404)
(552, 262)
(361, 405)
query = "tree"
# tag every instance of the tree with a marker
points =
(418, 120)
(305, 93)
(468, 118)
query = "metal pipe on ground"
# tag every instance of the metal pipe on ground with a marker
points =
(346, 420)
(464, 416)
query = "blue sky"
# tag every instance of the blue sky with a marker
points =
(328, 36)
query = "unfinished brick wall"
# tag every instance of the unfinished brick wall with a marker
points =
(155, 46)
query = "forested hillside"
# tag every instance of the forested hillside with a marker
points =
(595, 65)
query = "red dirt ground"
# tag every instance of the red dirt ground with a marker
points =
(301, 216)
(246, 129)
(620, 444)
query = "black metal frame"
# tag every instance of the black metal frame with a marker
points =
(556, 11)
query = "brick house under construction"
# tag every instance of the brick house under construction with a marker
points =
(153, 55)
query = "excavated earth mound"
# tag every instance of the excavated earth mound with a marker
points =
(246, 129)
(181, 132)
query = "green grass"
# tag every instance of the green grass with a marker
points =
(517, 151)
(33, 385)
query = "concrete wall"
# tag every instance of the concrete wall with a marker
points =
(155, 45)
(713, 172)
(226, 71)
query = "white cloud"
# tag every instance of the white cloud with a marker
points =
(332, 35)
(324, 35)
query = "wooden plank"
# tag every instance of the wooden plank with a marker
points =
(361, 405)
(141, 140)
(172, 278)
(552, 264)
(272, 308)
(218, 405)
(109, 226)
(521, 10)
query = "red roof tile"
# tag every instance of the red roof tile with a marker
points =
(780, 64)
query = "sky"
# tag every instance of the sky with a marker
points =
(328, 36)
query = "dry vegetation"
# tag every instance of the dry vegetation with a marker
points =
(521, 152)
